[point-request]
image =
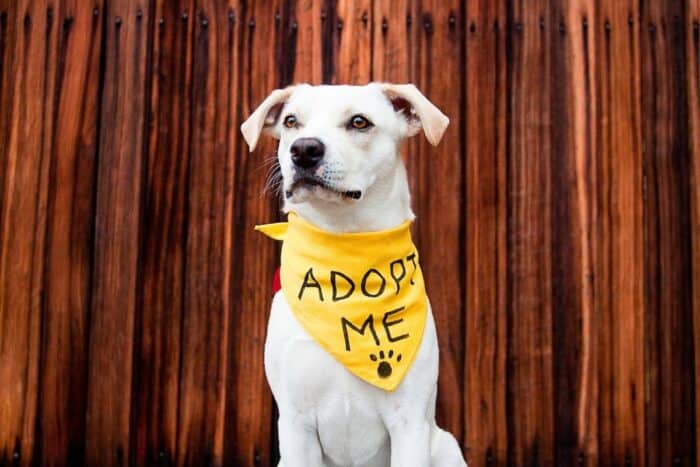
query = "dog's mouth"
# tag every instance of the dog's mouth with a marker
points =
(310, 181)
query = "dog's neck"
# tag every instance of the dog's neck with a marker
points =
(386, 204)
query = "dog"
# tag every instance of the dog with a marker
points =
(342, 172)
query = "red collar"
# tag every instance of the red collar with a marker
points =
(276, 283)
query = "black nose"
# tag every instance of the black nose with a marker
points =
(307, 152)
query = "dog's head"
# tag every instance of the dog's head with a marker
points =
(336, 142)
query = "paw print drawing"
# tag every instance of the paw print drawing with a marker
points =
(384, 367)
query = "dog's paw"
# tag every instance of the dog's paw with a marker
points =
(384, 366)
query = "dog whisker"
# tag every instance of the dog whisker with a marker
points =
(267, 162)
(273, 181)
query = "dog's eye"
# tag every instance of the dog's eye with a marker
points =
(359, 122)
(290, 121)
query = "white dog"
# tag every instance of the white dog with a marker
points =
(342, 172)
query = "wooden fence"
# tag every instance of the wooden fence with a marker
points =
(559, 222)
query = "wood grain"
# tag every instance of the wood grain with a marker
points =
(116, 275)
(486, 426)
(209, 300)
(354, 42)
(573, 224)
(436, 179)
(307, 28)
(252, 420)
(619, 260)
(29, 94)
(529, 237)
(68, 260)
(391, 35)
(692, 46)
(157, 361)
(668, 269)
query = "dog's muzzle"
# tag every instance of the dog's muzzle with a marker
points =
(309, 180)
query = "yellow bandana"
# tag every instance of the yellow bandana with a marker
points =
(359, 295)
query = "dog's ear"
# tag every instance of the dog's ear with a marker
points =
(265, 116)
(418, 111)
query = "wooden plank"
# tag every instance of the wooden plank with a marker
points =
(116, 276)
(62, 394)
(254, 426)
(250, 429)
(529, 237)
(693, 83)
(306, 43)
(8, 33)
(329, 40)
(158, 342)
(28, 91)
(354, 42)
(486, 435)
(437, 183)
(619, 269)
(574, 217)
(207, 294)
(391, 37)
(670, 425)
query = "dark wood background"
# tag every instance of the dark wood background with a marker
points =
(559, 222)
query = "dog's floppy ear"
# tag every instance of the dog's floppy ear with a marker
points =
(418, 110)
(265, 116)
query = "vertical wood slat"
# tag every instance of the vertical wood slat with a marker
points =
(8, 32)
(308, 21)
(529, 270)
(117, 238)
(354, 42)
(572, 87)
(250, 428)
(485, 424)
(67, 281)
(436, 179)
(208, 300)
(28, 91)
(158, 344)
(391, 40)
(693, 83)
(581, 18)
(251, 418)
(619, 257)
(670, 413)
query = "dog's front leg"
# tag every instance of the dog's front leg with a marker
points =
(410, 443)
(299, 444)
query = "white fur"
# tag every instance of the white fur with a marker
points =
(329, 417)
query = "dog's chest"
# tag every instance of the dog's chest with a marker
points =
(305, 379)
(344, 412)
(349, 430)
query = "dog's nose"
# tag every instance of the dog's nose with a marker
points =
(307, 152)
